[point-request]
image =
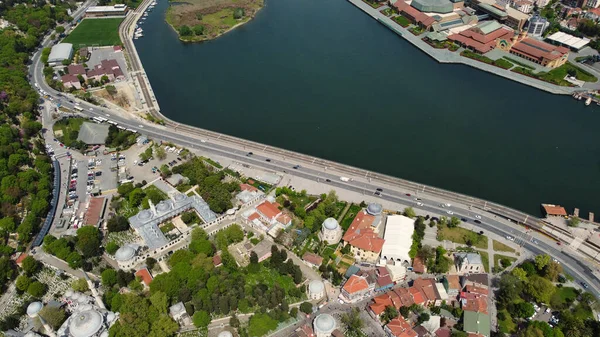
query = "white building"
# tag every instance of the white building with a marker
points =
(542, 3)
(179, 314)
(537, 25)
(59, 53)
(331, 231)
(106, 11)
(87, 319)
(398, 238)
(323, 325)
(316, 290)
(523, 6)
(468, 263)
(125, 256)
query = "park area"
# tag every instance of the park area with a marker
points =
(95, 32)
(462, 236)
(557, 75)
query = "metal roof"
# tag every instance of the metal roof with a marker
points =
(59, 52)
(330, 223)
(433, 6)
(324, 323)
(92, 133)
(569, 40)
(85, 324)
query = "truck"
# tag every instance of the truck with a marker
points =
(346, 179)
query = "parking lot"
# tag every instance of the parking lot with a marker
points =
(107, 53)
(143, 171)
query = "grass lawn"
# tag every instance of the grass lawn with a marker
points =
(260, 185)
(462, 235)
(485, 258)
(349, 217)
(388, 12)
(269, 277)
(167, 227)
(373, 4)
(329, 252)
(504, 64)
(401, 20)
(69, 127)
(557, 75)
(498, 257)
(500, 247)
(213, 163)
(522, 64)
(95, 32)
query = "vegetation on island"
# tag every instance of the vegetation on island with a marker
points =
(198, 20)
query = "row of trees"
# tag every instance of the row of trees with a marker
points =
(76, 250)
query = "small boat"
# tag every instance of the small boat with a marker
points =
(588, 101)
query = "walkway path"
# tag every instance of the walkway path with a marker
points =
(446, 56)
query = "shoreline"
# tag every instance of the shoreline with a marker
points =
(449, 57)
(218, 35)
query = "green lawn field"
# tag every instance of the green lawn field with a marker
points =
(95, 32)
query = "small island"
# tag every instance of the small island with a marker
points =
(201, 20)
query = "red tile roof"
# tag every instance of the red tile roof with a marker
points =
(539, 50)
(472, 288)
(217, 260)
(474, 38)
(383, 281)
(76, 69)
(453, 282)
(418, 266)
(268, 209)
(406, 297)
(417, 295)
(380, 303)
(368, 240)
(474, 302)
(68, 78)
(443, 332)
(382, 271)
(305, 331)
(145, 275)
(253, 216)
(355, 284)
(554, 210)
(595, 11)
(312, 258)
(283, 218)
(414, 13)
(399, 327)
(94, 211)
(427, 287)
(246, 187)
(361, 222)
(20, 259)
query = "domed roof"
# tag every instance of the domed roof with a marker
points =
(163, 206)
(104, 334)
(225, 334)
(85, 323)
(125, 253)
(145, 215)
(179, 197)
(316, 286)
(324, 323)
(374, 209)
(110, 316)
(330, 223)
(33, 308)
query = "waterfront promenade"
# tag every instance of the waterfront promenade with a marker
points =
(447, 56)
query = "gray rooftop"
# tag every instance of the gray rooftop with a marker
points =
(59, 52)
(92, 133)
(471, 258)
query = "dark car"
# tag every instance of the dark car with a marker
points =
(378, 193)
(585, 285)
(178, 158)
(269, 160)
(380, 189)
(480, 232)
(477, 221)
(434, 218)
(464, 219)
(249, 154)
(296, 167)
(408, 194)
(328, 180)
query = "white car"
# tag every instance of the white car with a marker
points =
(91, 109)
(419, 204)
(450, 212)
(508, 237)
(548, 310)
(448, 205)
(477, 216)
(555, 260)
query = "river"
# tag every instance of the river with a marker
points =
(323, 78)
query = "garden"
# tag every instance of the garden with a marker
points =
(402, 21)
(501, 63)
(462, 236)
(557, 75)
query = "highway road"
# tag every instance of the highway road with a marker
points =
(493, 216)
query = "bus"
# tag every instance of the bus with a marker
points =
(78, 108)
(102, 119)
(112, 123)
(132, 130)
(120, 127)
(97, 119)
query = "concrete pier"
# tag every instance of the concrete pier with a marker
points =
(447, 56)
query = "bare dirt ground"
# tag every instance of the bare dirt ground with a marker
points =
(123, 98)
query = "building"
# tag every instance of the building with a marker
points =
(452, 285)
(537, 25)
(59, 53)
(535, 51)
(418, 265)
(362, 236)
(145, 275)
(399, 327)
(316, 290)
(177, 179)
(468, 263)
(303, 331)
(125, 256)
(482, 37)
(437, 6)
(384, 280)
(330, 231)
(523, 6)
(355, 289)
(93, 133)
(146, 222)
(108, 68)
(554, 210)
(76, 69)
(398, 238)
(396, 270)
(502, 12)
(476, 323)
(414, 15)
(179, 314)
(263, 250)
(428, 288)
(88, 318)
(569, 41)
(95, 212)
(70, 81)
(106, 11)
(323, 325)
(271, 213)
(312, 260)
(480, 280)
(248, 194)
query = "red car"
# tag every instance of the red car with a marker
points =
(558, 243)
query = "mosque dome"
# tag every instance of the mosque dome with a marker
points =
(324, 323)
(374, 209)
(34, 308)
(85, 324)
(125, 253)
(331, 224)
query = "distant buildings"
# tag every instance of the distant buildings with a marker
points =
(483, 37)
(316, 290)
(569, 41)
(179, 314)
(324, 325)
(399, 327)
(263, 250)
(523, 6)
(312, 260)
(502, 12)
(106, 11)
(268, 218)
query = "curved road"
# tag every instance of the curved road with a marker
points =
(493, 216)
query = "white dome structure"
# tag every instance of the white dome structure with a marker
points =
(316, 290)
(34, 308)
(323, 325)
(330, 231)
(225, 334)
(124, 256)
(374, 209)
(85, 324)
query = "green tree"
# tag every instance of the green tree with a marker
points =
(185, 31)
(198, 29)
(389, 314)
(523, 310)
(111, 90)
(117, 223)
(160, 153)
(36, 289)
(111, 248)
(306, 307)
(352, 322)
(410, 212)
(136, 196)
(540, 289)
(54, 316)
(60, 29)
(260, 324)
(519, 273)
(574, 221)
(150, 263)
(454, 222)
(239, 13)
(201, 319)
(88, 241)
(80, 285)
(30, 265)
(23, 282)
(109, 277)
(541, 261)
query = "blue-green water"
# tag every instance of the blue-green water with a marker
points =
(323, 78)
